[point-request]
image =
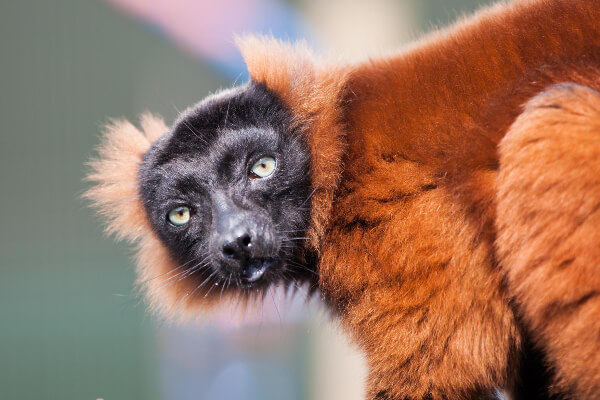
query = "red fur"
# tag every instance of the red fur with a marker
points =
(430, 211)
(115, 174)
(549, 229)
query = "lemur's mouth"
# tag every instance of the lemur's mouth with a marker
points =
(255, 268)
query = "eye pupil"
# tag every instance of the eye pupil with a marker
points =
(179, 216)
(263, 168)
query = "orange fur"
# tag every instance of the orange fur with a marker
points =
(115, 173)
(425, 233)
(549, 229)
(421, 289)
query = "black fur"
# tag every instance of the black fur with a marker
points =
(205, 160)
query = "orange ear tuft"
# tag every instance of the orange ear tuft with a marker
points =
(115, 175)
(286, 69)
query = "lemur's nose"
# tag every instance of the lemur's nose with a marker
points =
(239, 234)
(239, 248)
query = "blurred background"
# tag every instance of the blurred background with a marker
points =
(71, 325)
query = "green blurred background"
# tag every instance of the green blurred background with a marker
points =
(70, 324)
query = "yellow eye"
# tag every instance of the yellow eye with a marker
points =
(179, 216)
(263, 168)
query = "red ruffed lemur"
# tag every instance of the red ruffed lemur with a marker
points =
(445, 200)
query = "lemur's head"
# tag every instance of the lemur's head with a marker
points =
(227, 191)
(234, 196)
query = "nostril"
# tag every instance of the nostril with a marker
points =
(245, 240)
(237, 249)
(229, 251)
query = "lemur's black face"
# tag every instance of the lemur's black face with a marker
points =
(227, 190)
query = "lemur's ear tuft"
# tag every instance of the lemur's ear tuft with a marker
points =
(115, 193)
(286, 69)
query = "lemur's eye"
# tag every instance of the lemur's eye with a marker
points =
(179, 216)
(263, 168)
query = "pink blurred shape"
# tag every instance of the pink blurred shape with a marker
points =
(201, 27)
